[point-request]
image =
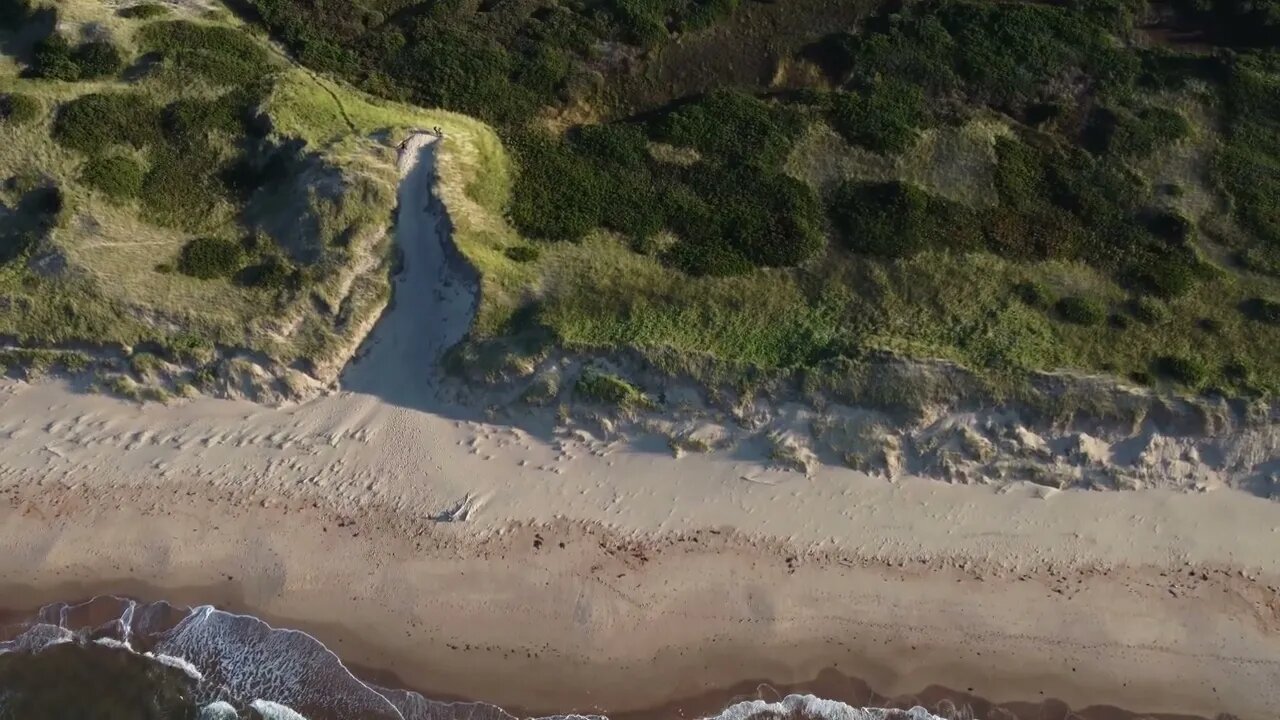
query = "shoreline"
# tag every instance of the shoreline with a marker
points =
(557, 569)
(590, 628)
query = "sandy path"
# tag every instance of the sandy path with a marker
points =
(81, 471)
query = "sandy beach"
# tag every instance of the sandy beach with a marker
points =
(555, 571)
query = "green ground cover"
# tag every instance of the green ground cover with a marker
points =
(1015, 187)
(161, 189)
(791, 186)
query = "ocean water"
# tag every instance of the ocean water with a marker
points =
(116, 658)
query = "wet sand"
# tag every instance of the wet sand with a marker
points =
(625, 624)
(552, 572)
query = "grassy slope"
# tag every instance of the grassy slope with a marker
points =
(600, 294)
(108, 289)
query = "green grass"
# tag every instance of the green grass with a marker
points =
(598, 386)
(141, 167)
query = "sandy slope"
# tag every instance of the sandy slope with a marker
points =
(1099, 597)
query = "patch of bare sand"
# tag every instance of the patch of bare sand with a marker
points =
(403, 528)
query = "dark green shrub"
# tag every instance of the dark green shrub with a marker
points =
(119, 177)
(274, 273)
(733, 127)
(447, 65)
(767, 218)
(623, 144)
(1149, 310)
(558, 195)
(523, 253)
(144, 11)
(1189, 371)
(599, 386)
(1263, 310)
(1034, 293)
(54, 59)
(1080, 311)
(99, 58)
(883, 117)
(208, 258)
(633, 205)
(222, 55)
(191, 119)
(896, 219)
(20, 109)
(182, 185)
(1135, 134)
(92, 123)
(1166, 276)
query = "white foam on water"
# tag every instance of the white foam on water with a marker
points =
(810, 706)
(113, 643)
(275, 711)
(240, 657)
(36, 638)
(289, 667)
(192, 671)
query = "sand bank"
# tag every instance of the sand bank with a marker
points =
(412, 535)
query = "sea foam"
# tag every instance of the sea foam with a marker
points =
(240, 663)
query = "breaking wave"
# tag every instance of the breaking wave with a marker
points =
(214, 665)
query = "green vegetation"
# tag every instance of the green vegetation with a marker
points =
(19, 109)
(1013, 187)
(208, 258)
(144, 11)
(120, 177)
(599, 386)
(883, 117)
(220, 55)
(1081, 311)
(107, 175)
(56, 59)
(996, 181)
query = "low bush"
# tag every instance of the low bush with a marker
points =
(20, 109)
(523, 253)
(272, 273)
(119, 177)
(733, 127)
(182, 186)
(191, 119)
(883, 117)
(622, 144)
(54, 59)
(98, 58)
(144, 11)
(221, 55)
(1149, 310)
(1189, 371)
(897, 219)
(1034, 294)
(1080, 311)
(92, 123)
(1134, 134)
(741, 211)
(209, 258)
(599, 386)
(558, 195)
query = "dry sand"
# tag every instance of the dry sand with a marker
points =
(413, 536)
